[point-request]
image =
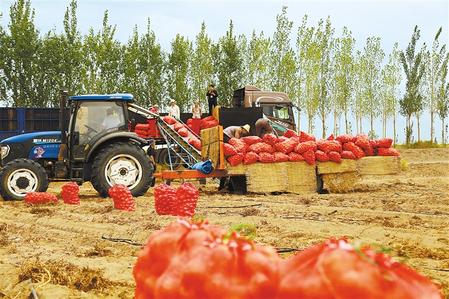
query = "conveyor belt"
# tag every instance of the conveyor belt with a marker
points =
(176, 144)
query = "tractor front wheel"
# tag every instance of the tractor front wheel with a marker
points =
(21, 176)
(122, 163)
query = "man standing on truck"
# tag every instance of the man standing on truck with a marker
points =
(263, 127)
(212, 96)
(235, 132)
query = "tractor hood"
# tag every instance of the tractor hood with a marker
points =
(35, 138)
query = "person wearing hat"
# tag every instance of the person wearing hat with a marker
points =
(235, 132)
(174, 110)
(212, 96)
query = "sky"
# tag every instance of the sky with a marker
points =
(392, 20)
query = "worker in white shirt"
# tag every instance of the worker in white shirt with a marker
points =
(174, 109)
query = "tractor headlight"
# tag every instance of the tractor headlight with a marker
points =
(4, 151)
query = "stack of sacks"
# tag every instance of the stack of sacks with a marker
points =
(295, 147)
(196, 125)
(143, 130)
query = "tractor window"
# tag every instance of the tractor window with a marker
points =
(93, 118)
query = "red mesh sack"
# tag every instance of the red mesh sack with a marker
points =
(303, 137)
(178, 126)
(141, 133)
(305, 146)
(251, 139)
(373, 143)
(345, 138)
(70, 193)
(169, 120)
(235, 160)
(329, 146)
(388, 152)
(209, 124)
(348, 155)
(195, 142)
(270, 139)
(250, 158)
(261, 147)
(362, 141)
(189, 121)
(186, 199)
(183, 132)
(369, 151)
(357, 151)
(384, 142)
(229, 150)
(290, 133)
(164, 199)
(208, 118)
(309, 156)
(280, 157)
(122, 198)
(142, 127)
(40, 198)
(239, 145)
(286, 146)
(334, 157)
(266, 158)
(282, 139)
(295, 157)
(331, 137)
(321, 156)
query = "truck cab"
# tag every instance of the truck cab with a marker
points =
(276, 106)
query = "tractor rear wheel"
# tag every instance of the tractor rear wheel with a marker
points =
(122, 163)
(21, 176)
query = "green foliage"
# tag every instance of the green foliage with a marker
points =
(256, 60)
(179, 71)
(413, 66)
(229, 66)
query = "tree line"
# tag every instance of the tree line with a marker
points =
(323, 73)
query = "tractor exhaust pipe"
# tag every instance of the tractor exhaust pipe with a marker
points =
(63, 94)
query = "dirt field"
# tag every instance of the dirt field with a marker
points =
(59, 251)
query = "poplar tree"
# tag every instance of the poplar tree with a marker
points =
(133, 79)
(178, 71)
(230, 65)
(20, 51)
(203, 65)
(442, 104)
(391, 78)
(344, 75)
(257, 60)
(434, 71)
(412, 63)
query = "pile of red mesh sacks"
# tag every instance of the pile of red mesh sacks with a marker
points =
(196, 125)
(295, 147)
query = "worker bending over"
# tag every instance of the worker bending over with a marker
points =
(235, 132)
(263, 127)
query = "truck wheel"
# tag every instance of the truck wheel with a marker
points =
(21, 176)
(122, 163)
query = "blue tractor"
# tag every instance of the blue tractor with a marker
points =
(96, 145)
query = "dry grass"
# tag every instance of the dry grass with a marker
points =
(4, 240)
(63, 273)
(42, 211)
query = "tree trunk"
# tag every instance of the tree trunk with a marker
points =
(335, 122)
(372, 124)
(442, 131)
(323, 122)
(432, 129)
(298, 125)
(384, 125)
(419, 128)
(394, 128)
(310, 120)
(346, 122)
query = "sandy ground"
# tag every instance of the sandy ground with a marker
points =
(59, 251)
